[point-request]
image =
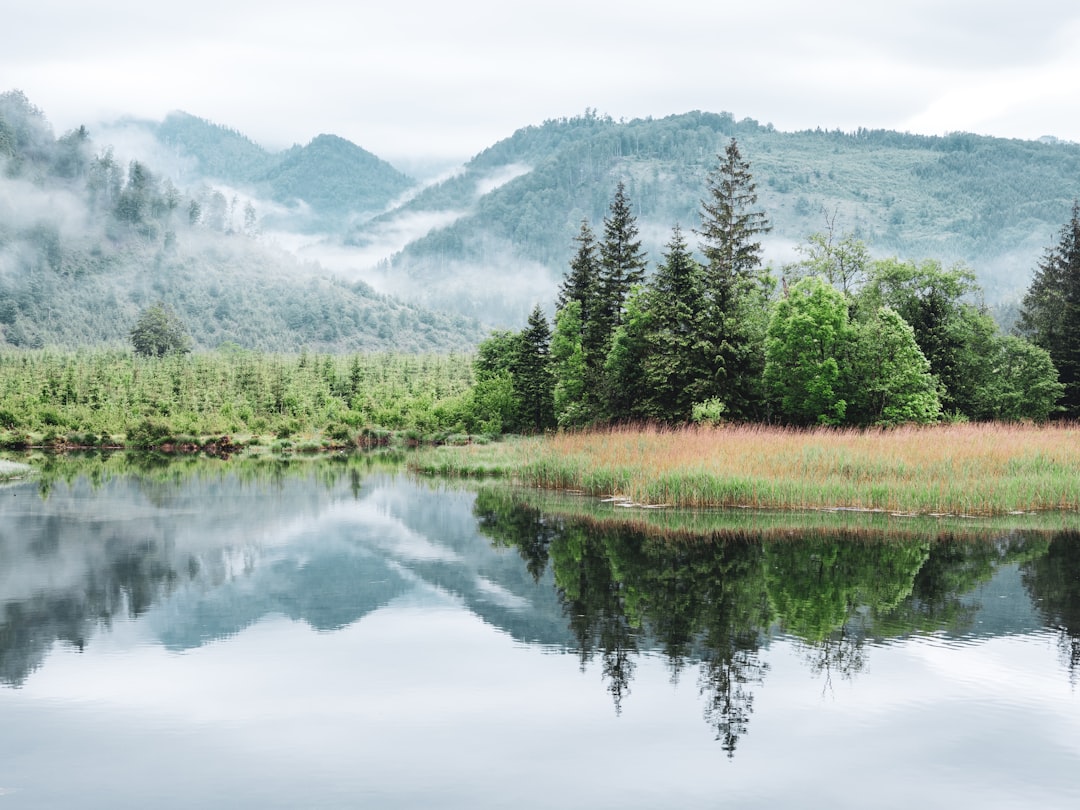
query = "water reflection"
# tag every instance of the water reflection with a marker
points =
(1053, 579)
(715, 603)
(199, 552)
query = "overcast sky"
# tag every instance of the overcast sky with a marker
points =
(418, 79)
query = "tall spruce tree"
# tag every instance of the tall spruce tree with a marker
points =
(622, 260)
(675, 367)
(735, 289)
(583, 287)
(1050, 315)
(532, 373)
(583, 284)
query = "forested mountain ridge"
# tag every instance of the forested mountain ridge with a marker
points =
(991, 203)
(334, 177)
(86, 243)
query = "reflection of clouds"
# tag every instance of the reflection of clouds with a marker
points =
(498, 595)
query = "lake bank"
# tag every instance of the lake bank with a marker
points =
(963, 469)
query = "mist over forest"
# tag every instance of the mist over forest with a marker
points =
(325, 246)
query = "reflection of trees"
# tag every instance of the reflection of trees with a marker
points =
(128, 583)
(841, 652)
(711, 603)
(1053, 580)
(828, 593)
(512, 523)
(953, 569)
(700, 602)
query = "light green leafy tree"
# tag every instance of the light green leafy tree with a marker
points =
(568, 367)
(807, 347)
(159, 332)
(890, 381)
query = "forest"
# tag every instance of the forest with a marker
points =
(989, 203)
(88, 241)
(839, 339)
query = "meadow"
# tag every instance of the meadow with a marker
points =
(954, 469)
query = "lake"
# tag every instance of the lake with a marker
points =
(342, 634)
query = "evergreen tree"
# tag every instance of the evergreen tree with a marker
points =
(532, 373)
(676, 366)
(583, 284)
(621, 258)
(1050, 315)
(734, 286)
(730, 225)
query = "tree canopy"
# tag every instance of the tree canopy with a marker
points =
(159, 332)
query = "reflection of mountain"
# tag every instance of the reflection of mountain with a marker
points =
(200, 558)
(206, 558)
(356, 556)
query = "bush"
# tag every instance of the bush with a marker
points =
(149, 433)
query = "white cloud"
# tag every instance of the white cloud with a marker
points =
(438, 80)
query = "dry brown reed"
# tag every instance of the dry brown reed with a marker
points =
(950, 469)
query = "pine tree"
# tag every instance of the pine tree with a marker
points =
(1050, 315)
(621, 258)
(582, 283)
(531, 370)
(675, 365)
(735, 290)
(730, 225)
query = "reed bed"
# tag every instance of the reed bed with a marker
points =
(962, 469)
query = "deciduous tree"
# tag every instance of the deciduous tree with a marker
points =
(159, 331)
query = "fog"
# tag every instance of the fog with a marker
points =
(500, 177)
(24, 205)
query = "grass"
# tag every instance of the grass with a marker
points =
(966, 469)
(10, 470)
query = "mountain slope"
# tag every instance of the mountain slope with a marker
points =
(335, 177)
(989, 202)
(86, 243)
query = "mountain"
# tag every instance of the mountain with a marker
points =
(492, 239)
(991, 203)
(333, 177)
(86, 243)
(217, 151)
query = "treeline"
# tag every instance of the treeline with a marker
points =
(113, 397)
(839, 339)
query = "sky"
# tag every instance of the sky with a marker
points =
(429, 80)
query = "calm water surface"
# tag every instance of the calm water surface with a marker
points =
(351, 638)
